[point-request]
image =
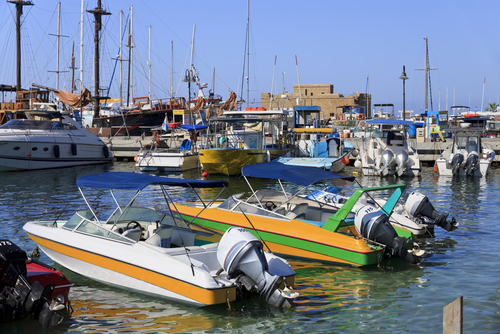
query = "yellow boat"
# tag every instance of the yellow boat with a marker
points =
(243, 138)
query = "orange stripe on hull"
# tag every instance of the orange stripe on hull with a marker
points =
(201, 295)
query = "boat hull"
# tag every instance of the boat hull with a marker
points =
(484, 166)
(43, 154)
(372, 171)
(167, 162)
(230, 161)
(134, 266)
(293, 238)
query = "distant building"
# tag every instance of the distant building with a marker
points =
(319, 95)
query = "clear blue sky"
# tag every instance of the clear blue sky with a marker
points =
(337, 42)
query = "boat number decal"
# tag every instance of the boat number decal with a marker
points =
(5, 243)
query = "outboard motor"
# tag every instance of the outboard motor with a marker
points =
(374, 225)
(241, 255)
(472, 163)
(418, 206)
(387, 162)
(401, 162)
(456, 162)
(19, 298)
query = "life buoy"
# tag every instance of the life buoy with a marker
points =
(360, 116)
(18, 106)
(339, 116)
(156, 138)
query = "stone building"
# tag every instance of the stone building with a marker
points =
(318, 95)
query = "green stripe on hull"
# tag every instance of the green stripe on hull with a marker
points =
(361, 259)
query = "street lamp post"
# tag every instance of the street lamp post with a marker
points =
(189, 77)
(404, 78)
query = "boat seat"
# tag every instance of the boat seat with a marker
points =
(161, 237)
(134, 234)
(297, 210)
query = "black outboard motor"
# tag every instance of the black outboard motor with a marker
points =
(471, 163)
(456, 162)
(18, 297)
(374, 225)
(418, 205)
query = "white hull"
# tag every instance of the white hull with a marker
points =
(29, 149)
(372, 171)
(167, 162)
(131, 266)
(484, 166)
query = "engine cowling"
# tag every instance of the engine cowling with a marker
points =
(241, 255)
(456, 162)
(401, 162)
(374, 225)
(387, 162)
(472, 163)
(418, 205)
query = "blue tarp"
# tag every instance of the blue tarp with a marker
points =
(301, 175)
(136, 181)
(186, 145)
(192, 127)
(389, 121)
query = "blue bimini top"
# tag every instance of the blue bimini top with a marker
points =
(136, 181)
(300, 175)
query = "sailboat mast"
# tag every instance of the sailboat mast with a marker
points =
(98, 13)
(131, 50)
(149, 65)
(58, 38)
(81, 47)
(73, 68)
(171, 69)
(19, 11)
(121, 57)
(426, 74)
(248, 52)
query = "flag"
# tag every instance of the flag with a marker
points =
(165, 124)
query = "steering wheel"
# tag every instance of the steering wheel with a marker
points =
(270, 205)
(133, 224)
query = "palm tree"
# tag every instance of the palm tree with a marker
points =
(493, 107)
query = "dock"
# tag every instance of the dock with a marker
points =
(126, 148)
(429, 151)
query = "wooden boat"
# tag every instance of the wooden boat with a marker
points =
(305, 228)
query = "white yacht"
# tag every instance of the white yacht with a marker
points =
(48, 139)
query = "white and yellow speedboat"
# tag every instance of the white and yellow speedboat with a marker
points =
(154, 252)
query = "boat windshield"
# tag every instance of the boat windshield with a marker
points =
(236, 205)
(81, 222)
(467, 143)
(145, 215)
(31, 124)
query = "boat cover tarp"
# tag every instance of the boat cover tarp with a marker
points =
(136, 181)
(300, 175)
(73, 100)
(193, 127)
(389, 122)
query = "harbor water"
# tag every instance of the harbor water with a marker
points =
(394, 297)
